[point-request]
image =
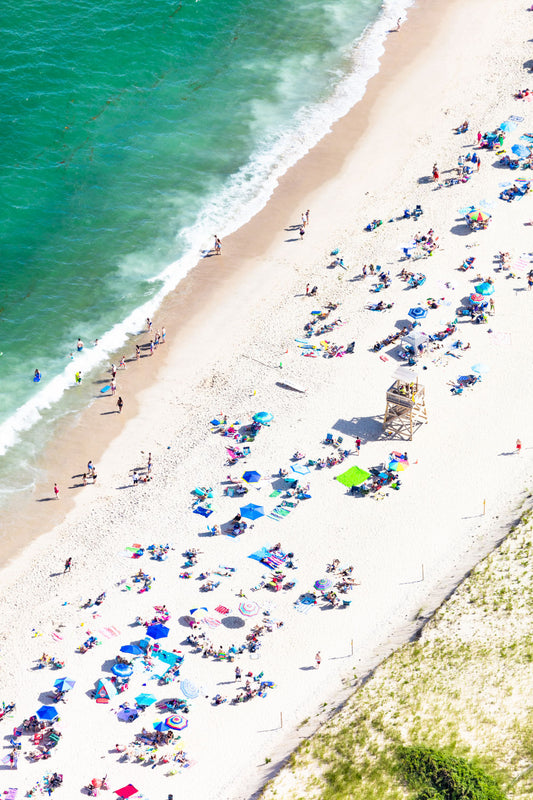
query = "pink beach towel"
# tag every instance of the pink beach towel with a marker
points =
(211, 622)
(57, 636)
(109, 633)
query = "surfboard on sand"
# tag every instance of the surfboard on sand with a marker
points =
(106, 388)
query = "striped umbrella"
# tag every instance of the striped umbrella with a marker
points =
(189, 689)
(323, 583)
(177, 722)
(249, 609)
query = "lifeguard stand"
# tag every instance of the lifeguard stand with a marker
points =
(406, 405)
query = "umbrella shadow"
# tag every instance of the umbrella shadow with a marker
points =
(45, 698)
(106, 666)
(233, 622)
(461, 230)
(306, 669)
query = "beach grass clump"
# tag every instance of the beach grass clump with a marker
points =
(438, 775)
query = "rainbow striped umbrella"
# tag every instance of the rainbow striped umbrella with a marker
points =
(249, 609)
(177, 722)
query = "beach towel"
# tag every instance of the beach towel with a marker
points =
(275, 494)
(258, 555)
(211, 622)
(109, 633)
(302, 608)
(274, 560)
(465, 210)
(222, 610)
(501, 338)
(514, 118)
(11, 794)
(204, 512)
(281, 511)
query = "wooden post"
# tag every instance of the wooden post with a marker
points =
(423, 578)
(484, 503)
(281, 719)
(352, 647)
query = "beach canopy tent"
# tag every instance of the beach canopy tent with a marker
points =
(417, 312)
(145, 699)
(405, 374)
(415, 339)
(127, 791)
(252, 511)
(251, 476)
(507, 126)
(300, 469)
(132, 649)
(263, 417)
(354, 476)
(48, 713)
(485, 288)
(105, 689)
(157, 631)
(64, 684)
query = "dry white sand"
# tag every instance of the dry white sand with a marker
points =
(458, 63)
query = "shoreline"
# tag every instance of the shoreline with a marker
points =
(250, 243)
(457, 461)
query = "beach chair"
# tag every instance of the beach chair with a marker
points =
(328, 439)
(346, 603)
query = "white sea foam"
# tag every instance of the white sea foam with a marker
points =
(246, 194)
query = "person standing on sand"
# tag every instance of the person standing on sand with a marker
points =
(478, 164)
(163, 334)
(149, 465)
(435, 173)
(307, 217)
(318, 660)
(518, 445)
(137, 352)
(149, 323)
(218, 245)
(237, 673)
(113, 386)
(302, 232)
(68, 565)
(120, 406)
(56, 491)
(358, 444)
(84, 479)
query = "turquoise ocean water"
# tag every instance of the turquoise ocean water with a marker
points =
(131, 131)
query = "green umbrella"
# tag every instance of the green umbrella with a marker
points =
(353, 477)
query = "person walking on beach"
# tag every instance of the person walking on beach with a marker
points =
(137, 352)
(68, 565)
(90, 467)
(56, 491)
(113, 386)
(163, 334)
(120, 406)
(149, 323)
(318, 660)
(302, 233)
(237, 673)
(307, 217)
(518, 446)
(358, 444)
(122, 364)
(218, 245)
(478, 164)
(149, 465)
(435, 173)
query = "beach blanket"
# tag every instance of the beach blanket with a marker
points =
(222, 610)
(211, 622)
(514, 118)
(204, 512)
(302, 608)
(274, 494)
(11, 794)
(274, 560)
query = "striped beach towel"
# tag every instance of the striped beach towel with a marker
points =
(110, 632)
(211, 622)
(222, 610)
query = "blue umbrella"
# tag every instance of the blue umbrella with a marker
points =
(263, 417)
(132, 649)
(521, 150)
(157, 631)
(251, 476)
(506, 126)
(122, 670)
(252, 511)
(189, 689)
(481, 369)
(418, 312)
(485, 288)
(301, 469)
(145, 699)
(48, 713)
(161, 726)
(64, 684)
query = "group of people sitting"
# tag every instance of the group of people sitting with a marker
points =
(390, 339)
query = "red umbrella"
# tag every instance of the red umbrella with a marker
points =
(127, 791)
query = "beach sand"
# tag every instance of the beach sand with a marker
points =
(228, 348)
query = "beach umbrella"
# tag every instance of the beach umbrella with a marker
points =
(481, 369)
(251, 476)
(48, 713)
(418, 312)
(397, 466)
(300, 469)
(353, 477)
(157, 631)
(507, 126)
(194, 611)
(161, 726)
(478, 216)
(323, 583)
(189, 689)
(145, 699)
(122, 670)
(263, 417)
(521, 150)
(132, 649)
(485, 288)
(476, 298)
(249, 609)
(177, 722)
(251, 511)
(64, 684)
(126, 791)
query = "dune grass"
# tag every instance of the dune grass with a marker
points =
(449, 716)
